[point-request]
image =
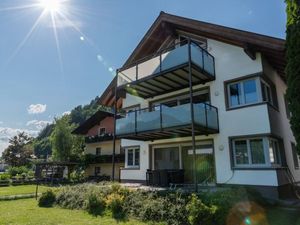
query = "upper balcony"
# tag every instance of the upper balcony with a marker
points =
(165, 122)
(167, 70)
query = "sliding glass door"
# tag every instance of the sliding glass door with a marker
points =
(166, 158)
(205, 168)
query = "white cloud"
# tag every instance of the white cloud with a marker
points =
(37, 124)
(6, 133)
(36, 109)
(66, 113)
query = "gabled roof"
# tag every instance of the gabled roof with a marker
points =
(273, 49)
(91, 122)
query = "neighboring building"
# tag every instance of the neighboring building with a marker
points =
(98, 132)
(204, 93)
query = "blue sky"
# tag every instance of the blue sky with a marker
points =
(37, 83)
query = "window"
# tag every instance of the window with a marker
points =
(266, 92)
(295, 156)
(133, 157)
(254, 152)
(249, 152)
(274, 152)
(102, 131)
(198, 97)
(249, 91)
(98, 151)
(97, 170)
(243, 93)
(287, 110)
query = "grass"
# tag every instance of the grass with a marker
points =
(27, 212)
(22, 189)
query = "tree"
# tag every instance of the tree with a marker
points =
(65, 146)
(61, 139)
(42, 144)
(293, 65)
(19, 150)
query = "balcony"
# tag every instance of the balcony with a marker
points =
(94, 159)
(167, 71)
(98, 138)
(167, 122)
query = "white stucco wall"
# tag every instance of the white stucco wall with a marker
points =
(136, 173)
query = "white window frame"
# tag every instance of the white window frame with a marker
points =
(243, 99)
(266, 144)
(266, 90)
(99, 131)
(134, 149)
(250, 164)
(275, 156)
(258, 81)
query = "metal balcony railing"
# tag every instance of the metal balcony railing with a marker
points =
(164, 117)
(168, 59)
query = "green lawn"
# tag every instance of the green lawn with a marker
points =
(22, 189)
(27, 212)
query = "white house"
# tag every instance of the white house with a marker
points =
(207, 103)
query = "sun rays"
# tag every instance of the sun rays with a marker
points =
(59, 15)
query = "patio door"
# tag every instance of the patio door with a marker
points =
(166, 158)
(205, 167)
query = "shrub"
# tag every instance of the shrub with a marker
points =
(47, 199)
(199, 213)
(77, 175)
(227, 199)
(115, 202)
(4, 176)
(13, 171)
(95, 204)
(72, 197)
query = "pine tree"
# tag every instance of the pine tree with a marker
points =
(293, 65)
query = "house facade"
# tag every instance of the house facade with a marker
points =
(206, 103)
(98, 131)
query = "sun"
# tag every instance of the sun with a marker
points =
(52, 6)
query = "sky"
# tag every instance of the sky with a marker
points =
(52, 60)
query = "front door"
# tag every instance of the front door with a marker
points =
(205, 167)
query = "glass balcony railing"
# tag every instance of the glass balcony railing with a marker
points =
(163, 117)
(168, 59)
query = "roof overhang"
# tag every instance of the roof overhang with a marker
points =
(166, 25)
(91, 122)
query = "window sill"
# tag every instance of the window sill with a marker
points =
(257, 168)
(132, 168)
(228, 108)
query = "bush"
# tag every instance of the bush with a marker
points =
(199, 213)
(72, 197)
(95, 204)
(115, 202)
(47, 199)
(4, 176)
(77, 176)
(13, 171)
